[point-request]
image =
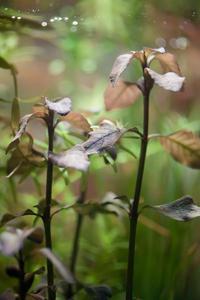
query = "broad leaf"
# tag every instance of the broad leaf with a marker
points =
(123, 95)
(77, 120)
(12, 241)
(72, 158)
(182, 209)
(105, 136)
(119, 66)
(62, 270)
(184, 146)
(169, 81)
(9, 217)
(168, 63)
(60, 106)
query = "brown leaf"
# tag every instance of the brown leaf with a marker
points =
(182, 209)
(72, 158)
(168, 63)
(169, 81)
(105, 136)
(184, 146)
(151, 53)
(60, 106)
(119, 66)
(122, 95)
(77, 120)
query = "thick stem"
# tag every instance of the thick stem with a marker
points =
(22, 291)
(134, 207)
(47, 212)
(75, 246)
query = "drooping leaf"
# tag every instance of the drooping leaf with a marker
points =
(122, 95)
(77, 120)
(184, 146)
(15, 114)
(105, 136)
(9, 217)
(60, 106)
(12, 241)
(119, 66)
(151, 53)
(168, 63)
(182, 209)
(62, 270)
(169, 81)
(22, 128)
(75, 157)
(99, 292)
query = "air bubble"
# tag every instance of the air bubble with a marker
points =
(75, 23)
(44, 24)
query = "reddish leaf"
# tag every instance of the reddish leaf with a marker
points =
(77, 120)
(168, 63)
(122, 95)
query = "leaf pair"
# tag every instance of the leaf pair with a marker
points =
(126, 93)
(100, 140)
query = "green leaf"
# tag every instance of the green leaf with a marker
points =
(15, 114)
(9, 217)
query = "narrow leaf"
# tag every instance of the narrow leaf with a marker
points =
(60, 106)
(119, 66)
(105, 136)
(123, 95)
(77, 120)
(62, 270)
(72, 158)
(169, 81)
(182, 209)
(15, 114)
(184, 146)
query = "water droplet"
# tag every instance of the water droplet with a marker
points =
(52, 20)
(19, 18)
(44, 24)
(13, 17)
(75, 23)
(66, 18)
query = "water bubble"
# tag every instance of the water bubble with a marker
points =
(59, 18)
(13, 17)
(44, 24)
(160, 42)
(66, 18)
(52, 20)
(19, 18)
(75, 23)
(181, 42)
(56, 18)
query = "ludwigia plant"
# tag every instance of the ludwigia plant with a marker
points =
(184, 146)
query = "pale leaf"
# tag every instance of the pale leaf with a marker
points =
(105, 136)
(182, 209)
(62, 270)
(61, 106)
(123, 95)
(119, 66)
(169, 81)
(72, 158)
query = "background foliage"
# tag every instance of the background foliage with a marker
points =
(73, 57)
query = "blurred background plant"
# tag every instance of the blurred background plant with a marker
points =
(67, 48)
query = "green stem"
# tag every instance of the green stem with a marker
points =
(15, 83)
(134, 207)
(47, 212)
(75, 246)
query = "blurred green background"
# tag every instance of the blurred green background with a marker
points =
(70, 53)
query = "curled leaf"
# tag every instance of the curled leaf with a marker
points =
(60, 106)
(77, 120)
(184, 146)
(22, 127)
(123, 95)
(62, 270)
(105, 136)
(119, 66)
(72, 158)
(169, 81)
(182, 209)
